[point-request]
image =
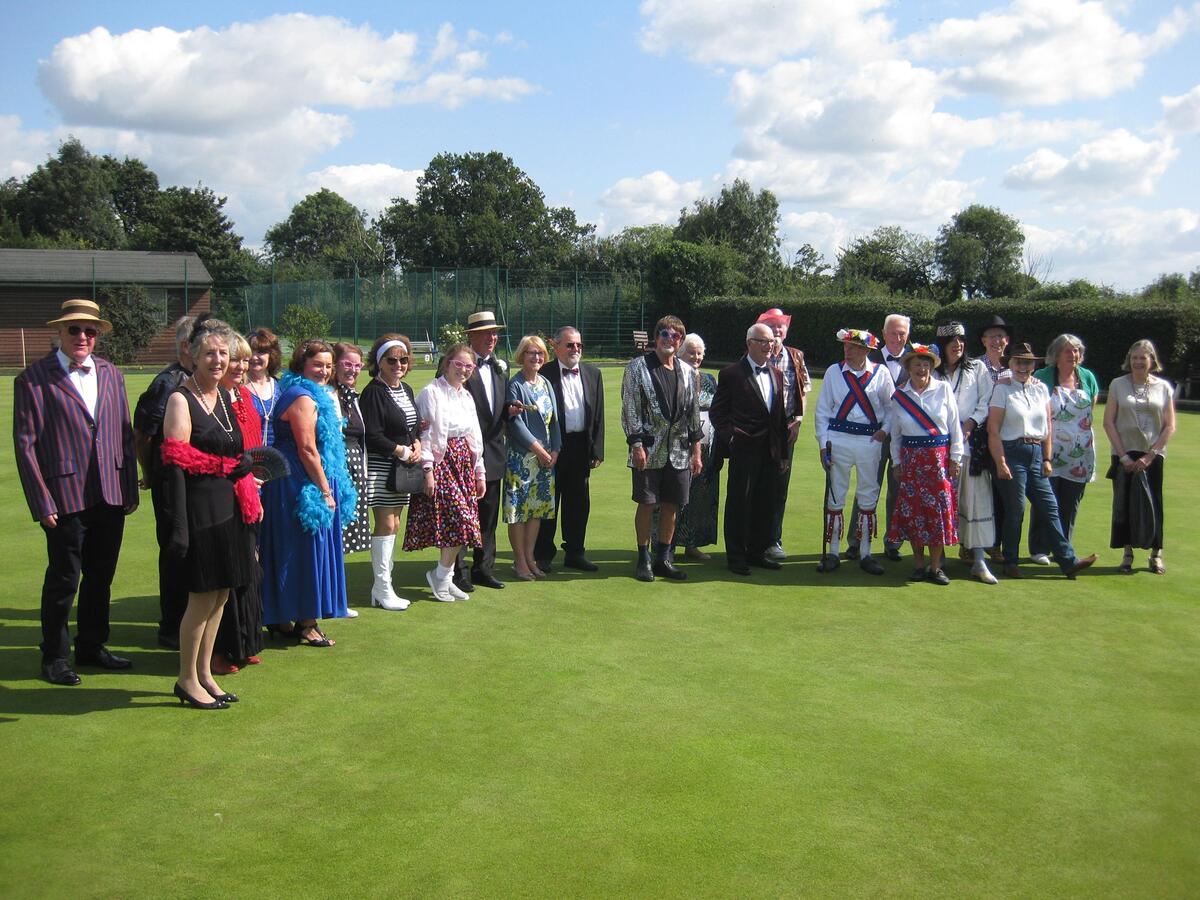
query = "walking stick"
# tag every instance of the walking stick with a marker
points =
(827, 458)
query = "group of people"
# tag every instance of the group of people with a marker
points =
(252, 538)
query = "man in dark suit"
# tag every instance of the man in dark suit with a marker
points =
(751, 428)
(579, 391)
(488, 385)
(75, 458)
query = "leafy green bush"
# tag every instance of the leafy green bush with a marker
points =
(302, 323)
(135, 318)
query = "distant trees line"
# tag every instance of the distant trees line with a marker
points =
(481, 209)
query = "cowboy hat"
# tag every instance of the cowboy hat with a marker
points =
(775, 314)
(1021, 351)
(80, 310)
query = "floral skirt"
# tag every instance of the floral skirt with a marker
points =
(926, 510)
(450, 518)
(528, 489)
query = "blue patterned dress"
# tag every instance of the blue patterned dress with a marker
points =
(528, 488)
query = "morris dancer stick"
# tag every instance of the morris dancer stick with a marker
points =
(827, 465)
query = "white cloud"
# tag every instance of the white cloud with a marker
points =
(760, 32)
(1182, 114)
(21, 151)
(1116, 163)
(369, 186)
(650, 199)
(1045, 53)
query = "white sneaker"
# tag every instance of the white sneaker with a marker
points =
(455, 592)
(1040, 559)
(351, 613)
(775, 551)
(438, 594)
(983, 573)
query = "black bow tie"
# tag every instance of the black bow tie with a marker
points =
(490, 361)
(761, 370)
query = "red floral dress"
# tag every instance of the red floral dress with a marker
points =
(926, 508)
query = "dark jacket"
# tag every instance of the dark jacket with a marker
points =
(593, 402)
(385, 424)
(743, 424)
(491, 422)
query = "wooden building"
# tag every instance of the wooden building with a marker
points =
(34, 284)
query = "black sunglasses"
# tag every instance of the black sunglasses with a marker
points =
(396, 360)
(73, 331)
(573, 345)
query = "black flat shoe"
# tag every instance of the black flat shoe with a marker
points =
(464, 584)
(224, 698)
(763, 563)
(102, 659)
(580, 563)
(869, 565)
(937, 576)
(60, 672)
(828, 563)
(186, 699)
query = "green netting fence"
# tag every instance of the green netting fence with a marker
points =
(606, 307)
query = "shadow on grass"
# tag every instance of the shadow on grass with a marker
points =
(74, 701)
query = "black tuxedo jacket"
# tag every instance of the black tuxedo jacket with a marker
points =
(593, 402)
(742, 422)
(491, 422)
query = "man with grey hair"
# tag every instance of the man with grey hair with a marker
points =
(752, 431)
(579, 391)
(896, 329)
(148, 437)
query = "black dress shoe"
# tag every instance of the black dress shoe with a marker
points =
(168, 642)
(581, 562)
(850, 553)
(892, 553)
(763, 563)
(102, 659)
(869, 565)
(544, 566)
(487, 580)
(828, 562)
(666, 569)
(59, 671)
(644, 572)
(463, 584)
(739, 568)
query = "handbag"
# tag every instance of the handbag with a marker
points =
(405, 478)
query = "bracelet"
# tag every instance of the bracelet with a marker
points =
(326, 493)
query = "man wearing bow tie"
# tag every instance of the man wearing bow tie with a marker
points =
(488, 386)
(579, 391)
(75, 458)
(752, 432)
(895, 341)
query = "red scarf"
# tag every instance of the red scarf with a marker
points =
(197, 462)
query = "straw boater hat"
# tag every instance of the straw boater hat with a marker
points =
(773, 315)
(80, 310)
(857, 336)
(483, 321)
(1021, 351)
(930, 352)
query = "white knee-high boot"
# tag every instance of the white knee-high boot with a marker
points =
(382, 593)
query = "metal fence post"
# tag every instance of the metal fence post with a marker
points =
(433, 291)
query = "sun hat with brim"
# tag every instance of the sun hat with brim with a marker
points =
(930, 352)
(773, 315)
(1021, 351)
(858, 336)
(78, 311)
(483, 321)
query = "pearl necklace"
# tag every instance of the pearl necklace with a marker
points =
(227, 425)
(268, 402)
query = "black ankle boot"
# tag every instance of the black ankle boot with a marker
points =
(644, 572)
(664, 565)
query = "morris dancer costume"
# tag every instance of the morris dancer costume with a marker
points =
(853, 406)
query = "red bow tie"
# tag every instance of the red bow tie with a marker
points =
(571, 371)
(81, 367)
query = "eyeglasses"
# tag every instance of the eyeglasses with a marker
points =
(762, 340)
(396, 360)
(573, 345)
(534, 353)
(463, 366)
(346, 364)
(670, 334)
(73, 331)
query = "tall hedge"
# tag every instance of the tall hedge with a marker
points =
(1107, 327)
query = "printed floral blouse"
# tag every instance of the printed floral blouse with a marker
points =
(1074, 448)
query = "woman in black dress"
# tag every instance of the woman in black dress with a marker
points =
(390, 417)
(213, 504)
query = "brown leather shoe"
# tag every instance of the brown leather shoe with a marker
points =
(1012, 572)
(1080, 565)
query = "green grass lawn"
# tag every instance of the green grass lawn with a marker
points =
(788, 735)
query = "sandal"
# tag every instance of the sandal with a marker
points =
(1156, 565)
(312, 636)
(1126, 566)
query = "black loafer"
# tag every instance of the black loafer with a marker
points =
(582, 563)
(464, 585)
(59, 671)
(102, 659)
(937, 576)
(487, 580)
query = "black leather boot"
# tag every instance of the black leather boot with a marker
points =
(644, 572)
(664, 564)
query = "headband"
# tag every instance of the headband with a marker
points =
(387, 345)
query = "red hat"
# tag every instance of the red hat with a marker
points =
(774, 315)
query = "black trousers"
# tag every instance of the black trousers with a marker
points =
(82, 552)
(750, 500)
(484, 557)
(172, 585)
(572, 499)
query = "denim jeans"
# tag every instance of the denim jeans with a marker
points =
(1069, 495)
(1025, 463)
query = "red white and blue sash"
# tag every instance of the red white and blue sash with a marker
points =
(856, 396)
(933, 436)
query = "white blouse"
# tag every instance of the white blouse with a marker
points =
(447, 412)
(937, 401)
(1024, 408)
(972, 385)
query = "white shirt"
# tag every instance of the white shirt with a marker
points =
(1024, 408)
(895, 368)
(766, 384)
(572, 391)
(85, 382)
(937, 401)
(487, 377)
(879, 392)
(447, 413)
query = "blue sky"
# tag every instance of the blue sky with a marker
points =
(1081, 119)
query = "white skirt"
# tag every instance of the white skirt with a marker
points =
(976, 517)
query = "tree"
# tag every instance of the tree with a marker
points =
(184, 220)
(680, 273)
(303, 323)
(71, 196)
(479, 209)
(979, 253)
(631, 248)
(134, 192)
(135, 318)
(744, 221)
(902, 260)
(327, 229)
(1173, 288)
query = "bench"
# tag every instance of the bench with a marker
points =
(424, 348)
(641, 340)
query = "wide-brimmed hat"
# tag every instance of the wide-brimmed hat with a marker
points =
(930, 352)
(1021, 351)
(996, 322)
(858, 336)
(775, 314)
(952, 330)
(485, 320)
(80, 310)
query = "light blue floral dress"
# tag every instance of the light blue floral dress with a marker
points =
(529, 488)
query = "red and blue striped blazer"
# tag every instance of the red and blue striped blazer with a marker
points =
(68, 462)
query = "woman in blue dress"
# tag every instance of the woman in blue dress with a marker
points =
(534, 441)
(304, 578)
(262, 371)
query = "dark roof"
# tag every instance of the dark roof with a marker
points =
(111, 266)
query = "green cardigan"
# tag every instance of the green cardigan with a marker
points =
(1048, 375)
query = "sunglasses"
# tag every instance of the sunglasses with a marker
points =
(574, 345)
(396, 360)
(74, 330)
(463, 366)
(670, 334)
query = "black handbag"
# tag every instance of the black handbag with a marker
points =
(405, 478)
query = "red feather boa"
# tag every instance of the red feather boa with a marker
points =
(197, 462)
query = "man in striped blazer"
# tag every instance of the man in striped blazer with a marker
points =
(75, 458)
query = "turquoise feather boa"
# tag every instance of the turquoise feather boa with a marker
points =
(311, 509)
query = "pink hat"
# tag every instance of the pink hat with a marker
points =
(774, 315)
